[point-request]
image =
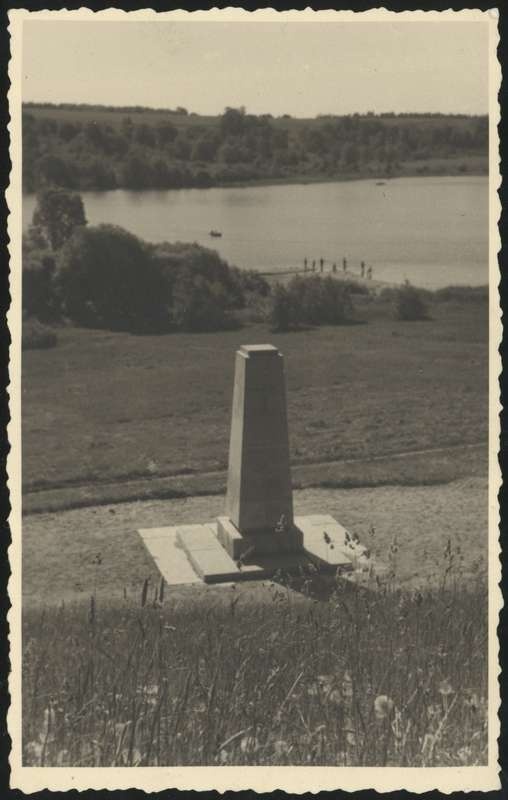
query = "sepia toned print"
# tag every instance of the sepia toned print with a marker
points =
(254, 400)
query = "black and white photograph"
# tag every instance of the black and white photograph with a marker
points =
(254, 397)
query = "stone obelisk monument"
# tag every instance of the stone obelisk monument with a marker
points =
(259, 501)
(258, 535)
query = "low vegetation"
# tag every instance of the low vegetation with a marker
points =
(95, 148)
(310, 301)
(373, 676)
(36, 336)
(410, 304)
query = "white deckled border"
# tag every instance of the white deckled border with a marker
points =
(291, 779)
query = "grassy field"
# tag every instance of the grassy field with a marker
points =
(123, 407)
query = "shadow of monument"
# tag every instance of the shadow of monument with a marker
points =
(321, 587)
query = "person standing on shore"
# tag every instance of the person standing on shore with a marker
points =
(369, 273)
(362, 267)
(313, 266)
(344, 265)
(305, 264)
(334, 268)
(321, 264)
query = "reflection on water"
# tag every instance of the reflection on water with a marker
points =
(432, 231)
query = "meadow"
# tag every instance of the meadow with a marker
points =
(124, 407)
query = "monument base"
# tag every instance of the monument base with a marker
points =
(262, 543)
(188, 554)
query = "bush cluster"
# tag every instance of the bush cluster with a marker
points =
(36, 336)
(310, 301)
(410, 304)
(105, 277)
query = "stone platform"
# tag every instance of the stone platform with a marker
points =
(195, 554)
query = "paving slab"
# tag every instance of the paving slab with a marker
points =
(169, 557)
(214, 566)
(196, 537)
(326, 542)
(206, 555)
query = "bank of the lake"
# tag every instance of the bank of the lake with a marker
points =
(469, 166)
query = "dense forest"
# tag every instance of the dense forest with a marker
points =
(98, 147)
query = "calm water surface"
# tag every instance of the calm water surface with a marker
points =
(432, 231)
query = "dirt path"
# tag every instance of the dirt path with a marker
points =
(60, 549)
(427, 465)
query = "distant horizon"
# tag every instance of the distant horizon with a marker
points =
(190, 111)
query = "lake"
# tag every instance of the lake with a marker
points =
(431, 231)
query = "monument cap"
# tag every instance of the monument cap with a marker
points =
(258, 349)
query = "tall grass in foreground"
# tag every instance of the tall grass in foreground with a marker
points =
(373, 676)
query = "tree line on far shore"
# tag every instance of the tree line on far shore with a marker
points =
(140, 150)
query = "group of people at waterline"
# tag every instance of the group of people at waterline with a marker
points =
(365, 272)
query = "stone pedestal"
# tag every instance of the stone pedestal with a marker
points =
(259, 502)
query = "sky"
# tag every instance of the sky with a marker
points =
(298, 68)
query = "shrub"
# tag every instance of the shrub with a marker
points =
(463, 294)
(38, 297)
(107, 278)
(250, 286)
(320, 301)
(410, 304)
(200, 304)
(311, 301)
(36, 336)
(37, 290)
(356, 288)
(282, 314)
(180, 259)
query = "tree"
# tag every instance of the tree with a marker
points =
(232, 122)
(107, 278)
(166, 133)
(58, 213)
(55, 171)
(137, 172)
(410, 305)
(205, 148)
